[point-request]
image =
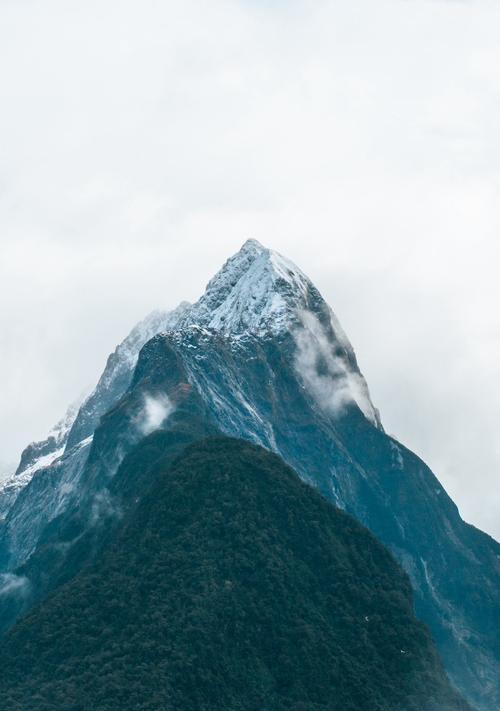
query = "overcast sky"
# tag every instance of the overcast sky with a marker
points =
(142, 142)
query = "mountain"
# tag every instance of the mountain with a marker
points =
(260, 357)
(232, 585)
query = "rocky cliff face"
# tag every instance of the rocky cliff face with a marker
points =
(262, 357)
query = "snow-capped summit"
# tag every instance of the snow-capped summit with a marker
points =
(257, 291)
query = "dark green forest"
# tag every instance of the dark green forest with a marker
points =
(232, 586)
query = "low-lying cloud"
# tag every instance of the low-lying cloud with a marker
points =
(104, 506)
(156, 409)
(328, 376)
(11, 584)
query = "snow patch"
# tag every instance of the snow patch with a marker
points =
(42, 463)
(10, 487)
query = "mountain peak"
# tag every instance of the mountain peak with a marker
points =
(252, 245)
(256, 291)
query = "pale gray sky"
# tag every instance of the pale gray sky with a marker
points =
(142, 142)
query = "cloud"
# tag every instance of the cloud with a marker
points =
(328, 376)
(11, 584)
(104, 506)
(153, 413)
(156, 409)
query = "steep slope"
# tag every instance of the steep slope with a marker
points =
(118, 372)
(81, 419)
(56, 464)
(262, 357)
(232, 586)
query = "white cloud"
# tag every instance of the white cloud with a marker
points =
(155, 411)
(329, 377)
(11, 584)
(104, 506)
